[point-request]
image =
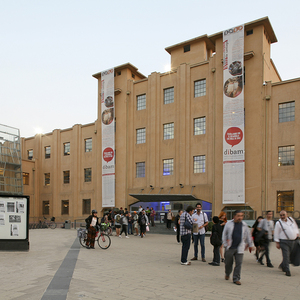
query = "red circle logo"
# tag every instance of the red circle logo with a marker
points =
(233, 136)
(108, 154)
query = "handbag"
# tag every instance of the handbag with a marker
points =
(187, 224)
(295, 254)
(260, 236)
(147, 228)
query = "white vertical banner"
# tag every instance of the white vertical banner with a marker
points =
(108, 137)
(233, 116)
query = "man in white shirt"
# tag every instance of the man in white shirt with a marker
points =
(268, 226)
(285, 233)
(199, 218)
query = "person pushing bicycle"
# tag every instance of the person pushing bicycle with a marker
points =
(92, 222)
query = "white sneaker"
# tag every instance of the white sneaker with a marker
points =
(127, 237)
(186, 263)
(120, 236)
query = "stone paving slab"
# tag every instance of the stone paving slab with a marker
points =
(136, 268)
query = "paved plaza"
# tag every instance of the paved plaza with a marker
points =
(57, 267)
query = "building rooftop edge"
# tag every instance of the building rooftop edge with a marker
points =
(263, 21)
(121, 67)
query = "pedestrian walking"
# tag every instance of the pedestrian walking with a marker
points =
(266, 227)
(216, 241)
(177, 225)
(236, 238)
(222, 221)
(285, 233)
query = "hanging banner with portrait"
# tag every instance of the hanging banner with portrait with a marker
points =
(108, 137)
(233, 116)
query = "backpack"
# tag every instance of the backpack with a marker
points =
(215, 240)
(118, 219)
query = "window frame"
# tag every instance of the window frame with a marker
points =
(286, 113)
(67, 146)
(199, 166)
(141, 135)
(46, 203)
(87, 174)
(202, 129)
(141, 102)
(199, 91)
(279, 208)
(66, 177)
(25, 178)
(168, 161)
(88, 145)
(64, 209)
(140, 169)
(30, 151)
(47, 178)
(86, 209)
(283, 160)
(47, 152)
(168, 130)
(169, 95)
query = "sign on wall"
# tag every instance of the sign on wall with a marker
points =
(108, 137)
(233, 116)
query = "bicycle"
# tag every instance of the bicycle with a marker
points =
(106, 228)
(102, 239)
(50, 224)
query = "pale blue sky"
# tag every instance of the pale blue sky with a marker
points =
(49, 49)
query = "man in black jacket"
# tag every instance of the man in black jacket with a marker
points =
(91, 225)
(216, 241)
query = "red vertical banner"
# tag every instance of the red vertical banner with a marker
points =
(233, 116)
(108, 137)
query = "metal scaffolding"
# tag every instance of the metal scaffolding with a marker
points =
(11, 179)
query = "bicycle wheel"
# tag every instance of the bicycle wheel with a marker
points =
(52, 225)
(104, 241)
(82, 241)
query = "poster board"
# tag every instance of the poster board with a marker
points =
(14, 218)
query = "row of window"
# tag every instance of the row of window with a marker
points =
(86, 207)
(66, 147)
(199, 91)
(168, 166)
(66, 177)
(168, 130)
(285, 201)
(286, 157)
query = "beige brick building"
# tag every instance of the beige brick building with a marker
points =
(169, 138)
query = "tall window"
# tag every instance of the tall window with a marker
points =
(66, 176)
(65, 207)
(88, 145)
(47, 152)
(66, 148)
(46, 208)
(86, 206)
(200, 88)
(140, 169)
(286, 112)
(88, 175)
(30, 154)
(141, 136)
(285, 201)
(199, 164)
(169, 95)
(25, 178)
(168, 167)
(199, 126)
(141, 102)
(286, 155)
(47, 178)
(169, 131)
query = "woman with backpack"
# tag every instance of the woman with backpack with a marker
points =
(118, 224)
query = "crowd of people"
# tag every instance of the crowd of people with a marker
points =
(229, 238)
(234, 237)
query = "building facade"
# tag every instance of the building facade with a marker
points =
(169, 138)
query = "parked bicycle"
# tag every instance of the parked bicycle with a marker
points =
(47, 224)
(102, 238)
